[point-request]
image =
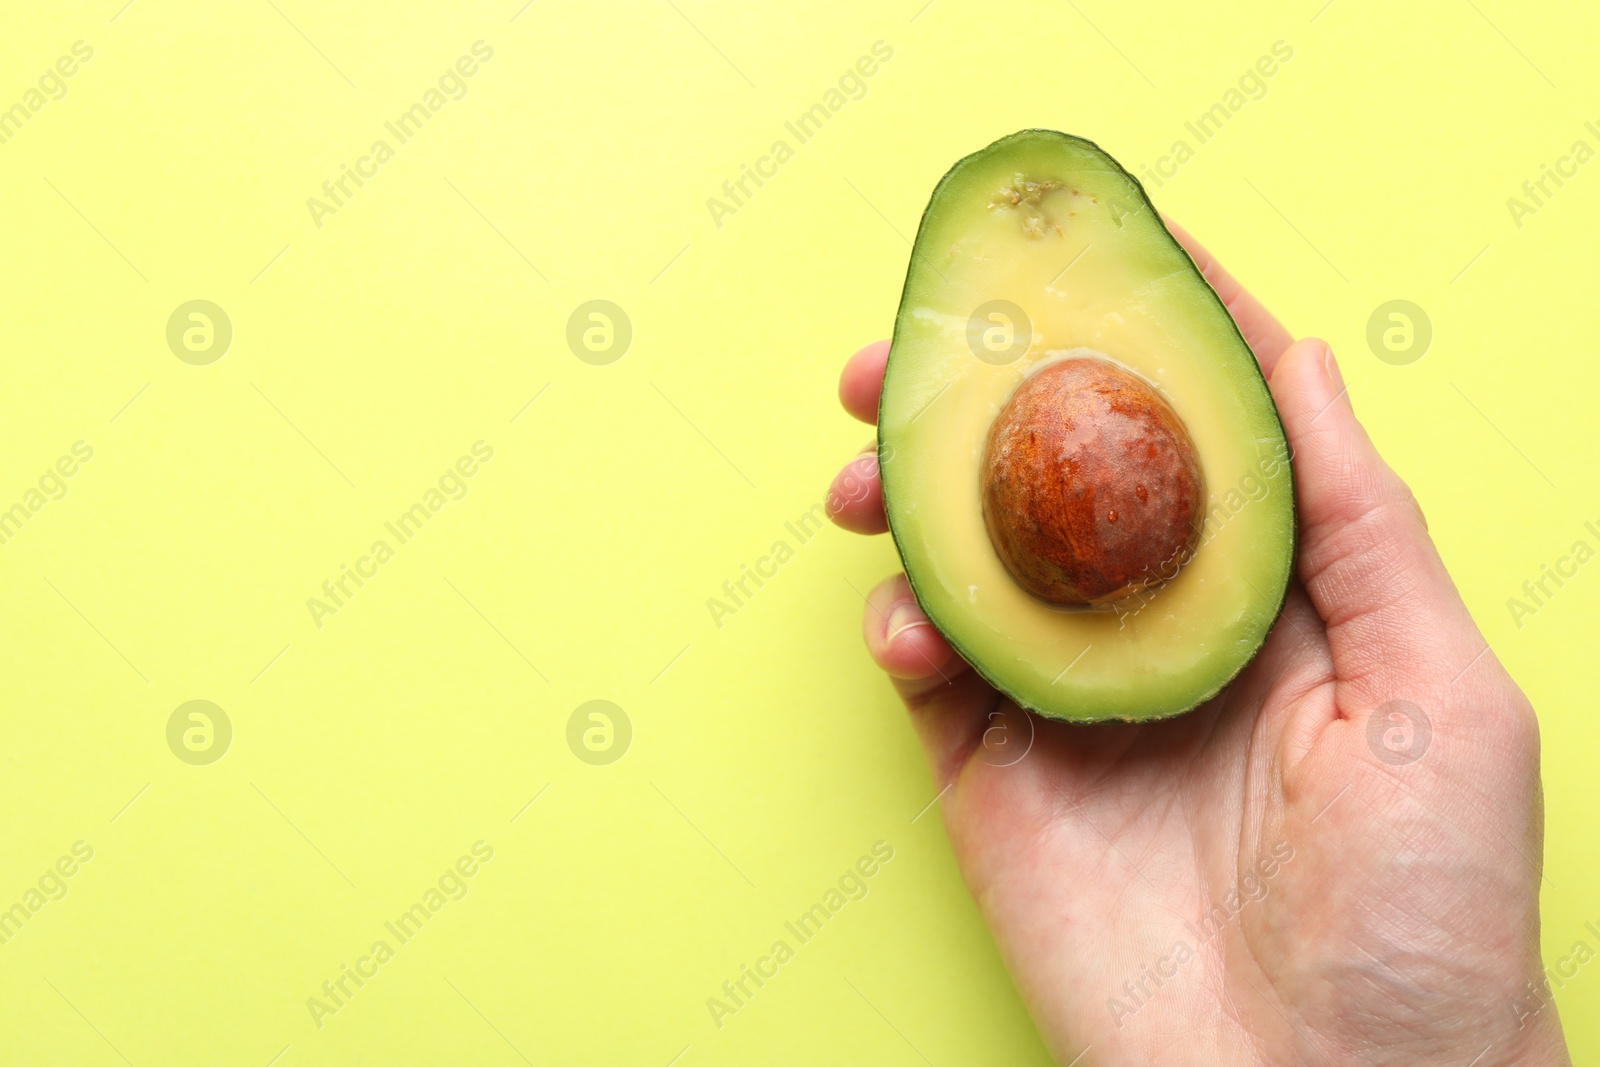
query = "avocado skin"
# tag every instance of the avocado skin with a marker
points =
(883, 453)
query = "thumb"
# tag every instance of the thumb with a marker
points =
(1393, 615)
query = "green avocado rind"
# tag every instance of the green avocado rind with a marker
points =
(901, 317)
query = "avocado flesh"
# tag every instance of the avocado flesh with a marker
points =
(1052, 224)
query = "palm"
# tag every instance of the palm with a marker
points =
(1135, 832)
(1161, 885)
(1264, 879)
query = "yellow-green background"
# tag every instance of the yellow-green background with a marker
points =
(376, 750)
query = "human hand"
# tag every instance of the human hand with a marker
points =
(1299, 871)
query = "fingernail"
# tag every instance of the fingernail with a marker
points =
(902, 617)
(1331, 368)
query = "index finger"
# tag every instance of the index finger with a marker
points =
(861, 382)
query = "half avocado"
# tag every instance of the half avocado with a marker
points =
(1082, 467)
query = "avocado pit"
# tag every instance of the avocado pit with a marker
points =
(1091, 490)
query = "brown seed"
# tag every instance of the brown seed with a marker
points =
(1091, 490)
